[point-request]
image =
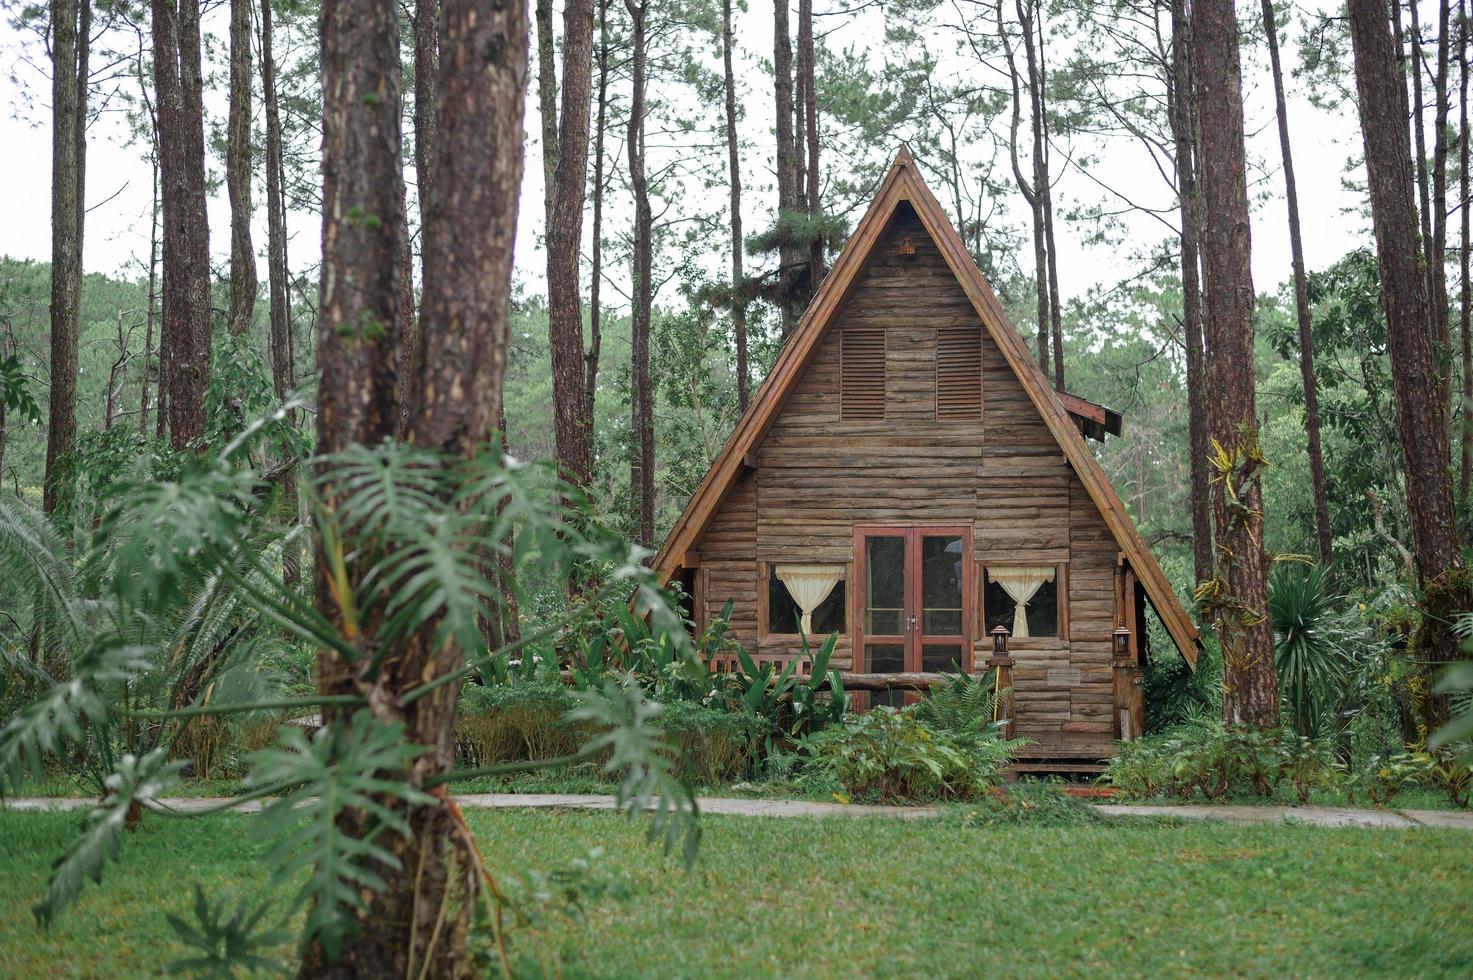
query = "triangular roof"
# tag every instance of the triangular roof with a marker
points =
(904, 184)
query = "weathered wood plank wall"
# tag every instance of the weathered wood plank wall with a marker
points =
(817, 476)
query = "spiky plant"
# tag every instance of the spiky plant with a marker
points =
(1310, 644)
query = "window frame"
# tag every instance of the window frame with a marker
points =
(765, 571)
(1061, 602)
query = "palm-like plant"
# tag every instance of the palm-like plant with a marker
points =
(1310, 644)
(180, 591)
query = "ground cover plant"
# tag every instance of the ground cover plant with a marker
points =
(1389, 903)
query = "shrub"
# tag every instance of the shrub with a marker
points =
(516, 722)
(1447, 770)
(1215, 761)
(711, 745)
(1307, 764)
(891, 756)
(1380, 779)
(506, 722)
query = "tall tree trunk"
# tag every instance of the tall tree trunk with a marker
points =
(808, 69)
(426, 72)
(1437, 246)
(572, 418)
(1421, 414)
(734, 172)
(1046, 192)
(1419, 129)
(186, 312)
(153, 282)
(1182, 93)
(596, 272)
(1239, 599)
(547, 100)
(1029, 188)
(70, 26)
(238, 168)
(1323, 535)
(642, 463)
(283, 372)
(503, 626)
(1465, 287)
(791, 257)
(357, 355)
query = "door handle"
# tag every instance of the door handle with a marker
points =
(912, 624)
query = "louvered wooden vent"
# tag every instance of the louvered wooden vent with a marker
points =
(959, 373)
(862, 374)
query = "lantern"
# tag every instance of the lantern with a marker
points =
(1121, 639)
(1000, 640)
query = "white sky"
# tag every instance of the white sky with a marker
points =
(118, 188)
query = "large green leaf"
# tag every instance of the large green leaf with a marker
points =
(642, 753)
(135, 783)
(356, 765)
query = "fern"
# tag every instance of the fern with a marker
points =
(334, 772)
(136, 783)
(962, 704)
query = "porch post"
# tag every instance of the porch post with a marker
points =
(1001, 662)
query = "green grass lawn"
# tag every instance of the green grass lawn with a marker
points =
(849, 896)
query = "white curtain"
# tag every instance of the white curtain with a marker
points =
(809, 585)
(1021, 583)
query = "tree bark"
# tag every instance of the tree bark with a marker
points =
(547, 101)
(1029, 189)
(1182, 93)
(1239, 599)
(1421, 414)
(572, 417)
(153, 277)
(1465, 287)
(357, 354)
(1323, 535)
(809, 72)
(1045, 190)
(734, 172)
(283, 372)
(426, 71)
(186, 323)
(642, 462)
(1419, 129)
(238, 166)
(70, 26)
(596, 272)
(791, 257)
(1437, 244)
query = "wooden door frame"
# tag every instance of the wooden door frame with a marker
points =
(913, 639)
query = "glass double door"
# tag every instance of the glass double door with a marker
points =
(916, 603)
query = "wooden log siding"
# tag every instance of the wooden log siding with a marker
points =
(966, 434)
(935, 450)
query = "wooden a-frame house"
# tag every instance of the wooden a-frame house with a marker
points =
(907, 477)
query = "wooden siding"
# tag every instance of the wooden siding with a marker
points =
(819, 472)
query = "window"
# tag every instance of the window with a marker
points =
(784, 615)
(862, 374)
(1035, 588)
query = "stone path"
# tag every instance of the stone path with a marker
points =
(1313, 815)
